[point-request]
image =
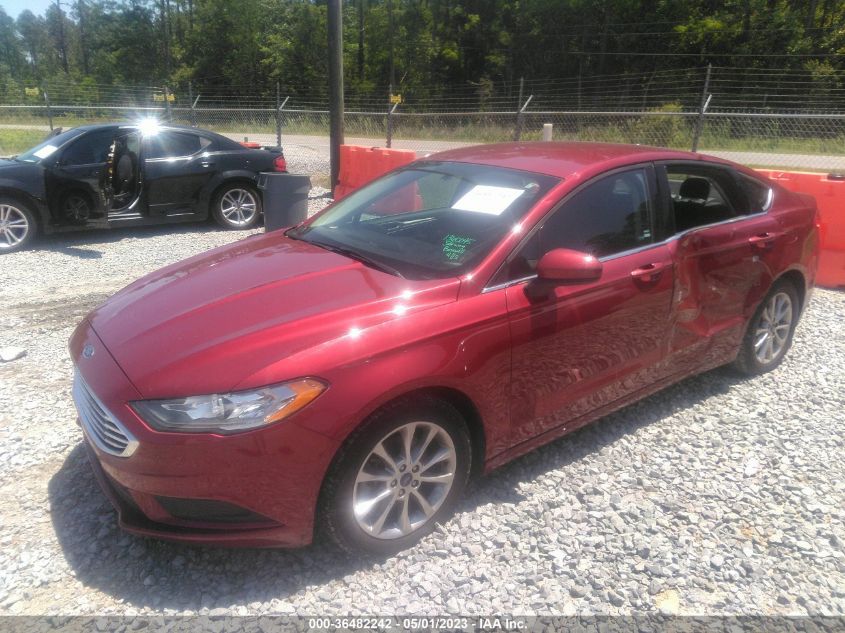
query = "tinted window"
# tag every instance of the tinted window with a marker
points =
(607, 217)
(170, 144)
(431, 220)
(91, 148)
(703, 195)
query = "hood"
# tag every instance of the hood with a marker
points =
(208, 323)
(8, 167)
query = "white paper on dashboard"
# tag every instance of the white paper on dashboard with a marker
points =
(487, 199)
(45, 151)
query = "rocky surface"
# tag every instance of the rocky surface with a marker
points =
(719, 495)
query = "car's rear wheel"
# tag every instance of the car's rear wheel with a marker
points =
(770, 331)
(397, 477)
(18, 226)
(237, 206)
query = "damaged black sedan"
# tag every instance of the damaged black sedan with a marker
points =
(109, 175)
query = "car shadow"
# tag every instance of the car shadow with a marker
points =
(73, 242)
(144, 572)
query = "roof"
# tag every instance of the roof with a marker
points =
(134, 125)
(559, 159)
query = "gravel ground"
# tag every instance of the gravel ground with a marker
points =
(720, 495)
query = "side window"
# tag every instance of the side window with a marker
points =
(607, 217)
(759, 195)
(703, 196)
(173, 144)
(93, 148)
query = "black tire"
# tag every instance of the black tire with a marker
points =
(18, 225)
(225, 207)
(76, 208)
(748, 361)
(336, 516)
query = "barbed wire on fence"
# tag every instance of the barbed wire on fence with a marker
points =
(749, 110)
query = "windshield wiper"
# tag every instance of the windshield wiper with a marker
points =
(369, 261)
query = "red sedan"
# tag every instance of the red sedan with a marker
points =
(349, 375)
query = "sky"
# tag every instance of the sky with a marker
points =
(14, 7)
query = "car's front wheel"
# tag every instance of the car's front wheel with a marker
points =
(17, 225)
(770, 331)
(397, 477)
(236, 206)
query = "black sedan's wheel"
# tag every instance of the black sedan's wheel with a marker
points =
(770, 330)
(17, 225)
(237, 206)
(397, 477)
(76, 208)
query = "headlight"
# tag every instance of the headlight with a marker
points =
(229, 413)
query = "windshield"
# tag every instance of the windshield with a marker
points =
(47, 147)
(432, 220)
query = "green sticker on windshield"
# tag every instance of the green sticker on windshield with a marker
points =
(454, 246)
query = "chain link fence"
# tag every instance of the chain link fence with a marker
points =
(764, 120)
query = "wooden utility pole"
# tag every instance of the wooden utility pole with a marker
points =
(360, 39)
(335, 28)
(83, 41)
(62, 40)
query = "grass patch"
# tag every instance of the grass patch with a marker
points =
(15, 141)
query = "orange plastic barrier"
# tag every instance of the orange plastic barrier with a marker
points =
(830, 197)
(360, 165)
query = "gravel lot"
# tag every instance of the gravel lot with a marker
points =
(720, 495)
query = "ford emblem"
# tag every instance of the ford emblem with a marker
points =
(88, 350)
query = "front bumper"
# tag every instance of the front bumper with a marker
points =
(255, 489)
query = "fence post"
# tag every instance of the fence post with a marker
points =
(167, 105)
(279, 121)
(518, 131)
(390, 107)
(49, 110)
(193, 104)
(705, 101)
(520, 116)
(278, 115)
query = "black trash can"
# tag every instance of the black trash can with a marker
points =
(285, 199)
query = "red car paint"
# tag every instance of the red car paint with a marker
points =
(523, 369)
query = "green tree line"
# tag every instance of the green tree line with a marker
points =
(431, 49)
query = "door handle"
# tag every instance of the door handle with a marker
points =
(648, 273)
(206, 163)
(763, 240)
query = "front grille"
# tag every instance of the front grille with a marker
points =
(209, 511)
(103, 429)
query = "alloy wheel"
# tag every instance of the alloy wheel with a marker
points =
(238, 206)
(772, 331)
(14, 226)
(404, 480)
(76, 208)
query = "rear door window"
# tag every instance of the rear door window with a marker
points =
(703, 195)
(175, 144)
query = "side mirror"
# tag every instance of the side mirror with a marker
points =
(563, 265)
